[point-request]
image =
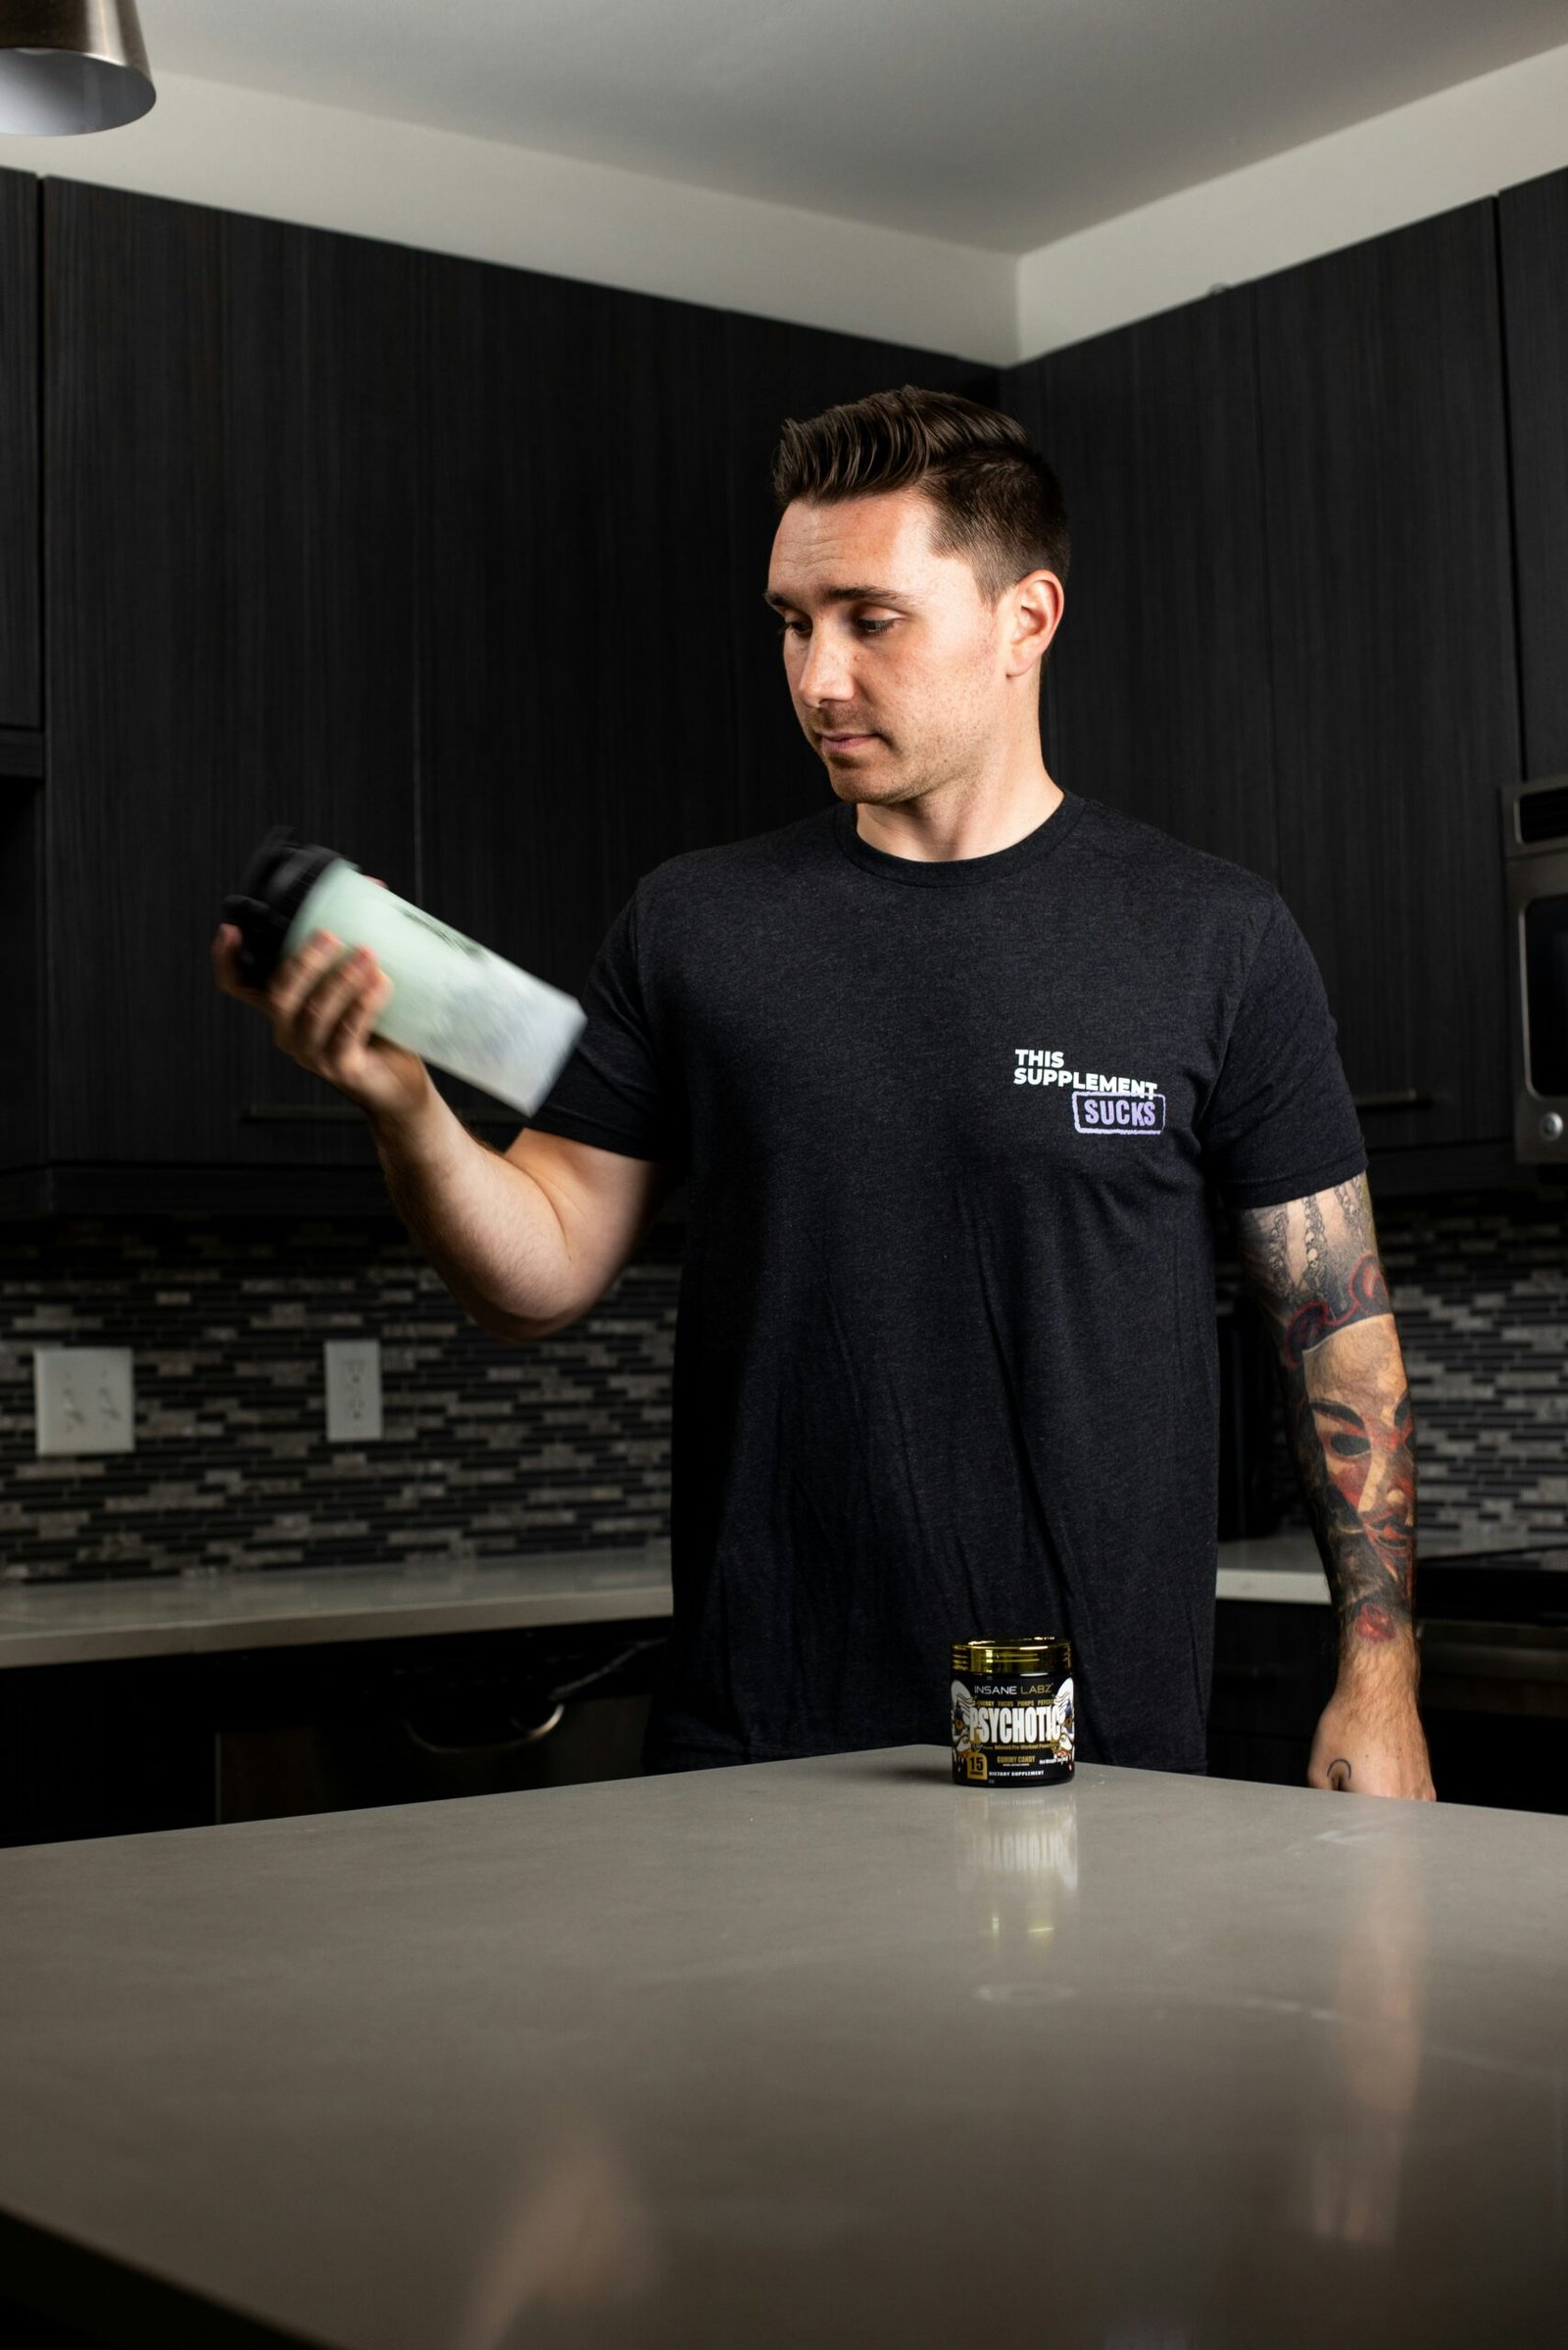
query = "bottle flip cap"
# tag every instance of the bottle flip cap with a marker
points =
(279, 879)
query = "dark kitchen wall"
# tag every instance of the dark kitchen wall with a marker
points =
(487, 1449)
(493, 1451)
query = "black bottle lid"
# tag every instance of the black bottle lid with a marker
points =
(279, 879)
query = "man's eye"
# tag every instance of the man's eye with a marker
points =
(1350, 1448)
(799, 627)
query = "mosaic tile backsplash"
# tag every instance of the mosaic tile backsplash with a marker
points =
(495, 1450)
(487, 1449)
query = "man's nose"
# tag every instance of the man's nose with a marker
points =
(825, 674)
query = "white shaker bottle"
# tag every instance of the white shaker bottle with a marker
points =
(452, 1002)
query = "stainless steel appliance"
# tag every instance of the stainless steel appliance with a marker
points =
(1493, 1633)
(1534, 850)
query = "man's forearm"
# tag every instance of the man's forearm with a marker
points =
(487, 1227)
(1314, 1267)
(1352, 1434)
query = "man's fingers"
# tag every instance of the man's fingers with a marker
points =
(361, 1022)
(333, 1000)
(225, 967)
(296, 978)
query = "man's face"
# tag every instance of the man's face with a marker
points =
(898, 667)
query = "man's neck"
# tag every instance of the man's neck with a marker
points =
(942, 826)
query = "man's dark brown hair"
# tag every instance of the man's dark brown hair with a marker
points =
(998, 503)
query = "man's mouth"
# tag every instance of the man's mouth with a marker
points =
(844, 742)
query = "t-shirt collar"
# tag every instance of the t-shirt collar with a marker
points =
(957, 873)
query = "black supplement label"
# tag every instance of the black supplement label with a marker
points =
(1012, 1727)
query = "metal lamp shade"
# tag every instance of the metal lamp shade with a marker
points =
(70, 66)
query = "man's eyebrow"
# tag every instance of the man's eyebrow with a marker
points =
(841, 595)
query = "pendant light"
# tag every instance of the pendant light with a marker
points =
(71, 65)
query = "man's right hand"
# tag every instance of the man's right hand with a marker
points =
(323, 1004)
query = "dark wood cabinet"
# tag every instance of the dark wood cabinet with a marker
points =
(20, 634)
(135, 1745)
(1533, 242)
(436, 561)
(773, 372)
(575, 721)
(229, 572)
(460, 568)
(1275, 1663)
(600, 685)
(1156, 691)
(1391, 615)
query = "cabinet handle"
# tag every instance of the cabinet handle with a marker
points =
(525, 1737)
(1404, 1097)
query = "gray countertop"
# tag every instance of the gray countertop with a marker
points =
(174, 1615)
(188, 1614)
(827, 2053)
(81, 1622)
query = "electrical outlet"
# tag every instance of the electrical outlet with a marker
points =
(85, 1399)
(353, 1391)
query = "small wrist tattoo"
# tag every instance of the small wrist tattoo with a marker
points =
(1340, 1774)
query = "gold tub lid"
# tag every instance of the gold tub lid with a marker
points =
(1037, 1651)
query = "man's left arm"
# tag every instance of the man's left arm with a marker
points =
(1313, 1267)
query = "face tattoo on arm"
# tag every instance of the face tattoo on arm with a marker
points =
(1313, 1267)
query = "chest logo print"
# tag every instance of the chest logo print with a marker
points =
(1100, 1104)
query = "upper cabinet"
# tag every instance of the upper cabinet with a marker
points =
(230, 567)
(575, 721)
(773, 372)
(460, 569)
(1390, 602)
(20, 700)
(1156, 690)
(1533, 245)
(599, 682)
(1290, 633)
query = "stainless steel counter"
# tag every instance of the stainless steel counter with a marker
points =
(810, 2053)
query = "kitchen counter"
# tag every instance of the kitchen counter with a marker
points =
(44, 1622)
(180, 1615)
(1273, 1566)
(203, 1614)
(822, 2052)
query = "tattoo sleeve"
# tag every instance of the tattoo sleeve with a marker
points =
(1313, 1267)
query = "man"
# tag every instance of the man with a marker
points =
(952, 1068)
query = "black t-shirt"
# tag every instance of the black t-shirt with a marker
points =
(945, 1358)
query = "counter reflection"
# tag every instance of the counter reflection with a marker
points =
(1015, 1867)
(571, 2234)
(1353, 2151)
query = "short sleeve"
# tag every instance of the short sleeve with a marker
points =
(1280, 1122)
(617, 1091)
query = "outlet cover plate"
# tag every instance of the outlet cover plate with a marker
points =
(86, 1399)
(353, 1391)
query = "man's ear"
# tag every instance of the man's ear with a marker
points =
(1038, 601)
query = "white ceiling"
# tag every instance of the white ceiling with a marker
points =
(1002, 123)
